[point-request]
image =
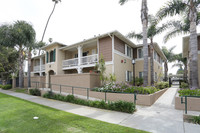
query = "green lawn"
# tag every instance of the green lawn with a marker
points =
(16, 116)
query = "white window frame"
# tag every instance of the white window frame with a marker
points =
(131, 52)
(129, 76)
(139, 74)
(138, 53)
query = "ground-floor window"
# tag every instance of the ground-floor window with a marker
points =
(140, 74)
(129, 76)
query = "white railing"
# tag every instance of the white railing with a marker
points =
(70, 62)
(36, 68)
(91, 59)
(42, 67)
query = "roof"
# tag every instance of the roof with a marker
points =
(52, 44)
(157, 48)
(116, 33)
(37, 57)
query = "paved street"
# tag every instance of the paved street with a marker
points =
(158, 118)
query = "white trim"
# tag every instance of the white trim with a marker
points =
(121, 54)
(113, 55)
(50, 63)
(109, 63)
(141, 59)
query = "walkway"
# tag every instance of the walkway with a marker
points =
(159, 118)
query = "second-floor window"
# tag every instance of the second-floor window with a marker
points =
(128, 51)
(51, 56)
(140, 53)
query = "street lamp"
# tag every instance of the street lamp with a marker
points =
(133, 62)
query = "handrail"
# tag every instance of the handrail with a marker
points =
(73, 87)
(185, 102)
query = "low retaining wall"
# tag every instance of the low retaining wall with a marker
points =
(146, 100)
(35, 79)
(88, 80)
(193, 104)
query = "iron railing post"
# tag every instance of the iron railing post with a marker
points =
(60, 89)
(135, 98)
(87, 93)
(185, 104)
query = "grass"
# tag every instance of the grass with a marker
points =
(17, 117)
(20, 90)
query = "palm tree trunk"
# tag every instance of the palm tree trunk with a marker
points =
(166, 70)
(144, 19)
(48, 23)
(21, 65)
(193, 46)
(29, 69)
(151, 62)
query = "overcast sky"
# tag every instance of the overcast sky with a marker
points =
(76, 20)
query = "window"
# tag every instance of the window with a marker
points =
(128, 51)
(129, 76)
(51, 56)
(140, 53)
(140, 74)
(85, 53)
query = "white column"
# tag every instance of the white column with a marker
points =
(79, 58)
(40, 66)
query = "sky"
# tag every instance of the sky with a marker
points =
(76, 20)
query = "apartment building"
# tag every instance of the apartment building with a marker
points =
(74, 64)
(185, 49)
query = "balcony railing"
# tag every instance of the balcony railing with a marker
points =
(91, 59)
(70, 62)
(85, 60)
(37, 68)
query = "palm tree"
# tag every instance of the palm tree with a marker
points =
(152, 31)
(188, 7)
(55, 3)
(144, 19)
(181, 62)
(17, 35)
(170, 58)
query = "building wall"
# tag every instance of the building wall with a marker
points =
(41, 79)
(121, 67)
(105, 48)
(119, 45)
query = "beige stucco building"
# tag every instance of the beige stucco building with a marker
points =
(186, 53)
(74, 64)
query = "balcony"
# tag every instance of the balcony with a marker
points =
(37, 68)
(85, 61)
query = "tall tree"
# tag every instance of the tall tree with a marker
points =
(17, 35)
(189, 7)
(55, 3)
(144, 19)
(170, 58)
(152, 31)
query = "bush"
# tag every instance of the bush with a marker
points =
(122, 106)
(35, 92)
(188, 92)
(6, 87)
(184, 85)
(162, 85)
(138, 81)
(196, 119)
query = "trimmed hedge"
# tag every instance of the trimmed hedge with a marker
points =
(188, 92)
(35, 92)
(121, 106)
(6, 87)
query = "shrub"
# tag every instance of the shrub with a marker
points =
(6, 87)
(196, 119)
(184, 85)
(35, 92)
(138, 81)
(1, 86)
(162, 85)
(122, 106)
(188, 92)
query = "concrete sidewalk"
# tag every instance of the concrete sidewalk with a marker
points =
(159, 118)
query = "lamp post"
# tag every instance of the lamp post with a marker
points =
(133, 62)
